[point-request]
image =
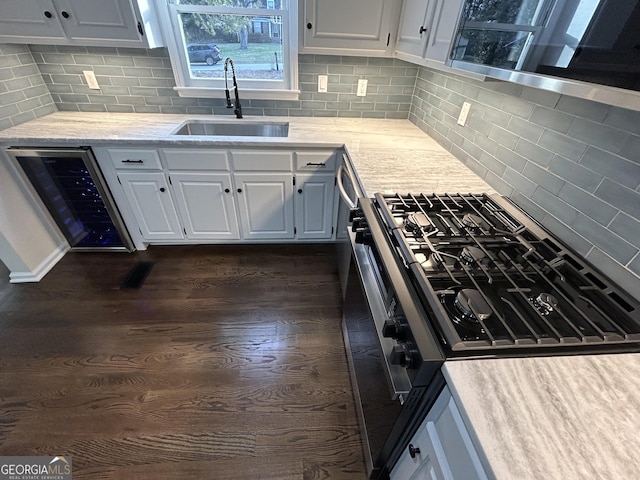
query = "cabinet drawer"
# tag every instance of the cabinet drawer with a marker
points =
(252, 160)
(133, 159)
(316, 161)
(186, 159)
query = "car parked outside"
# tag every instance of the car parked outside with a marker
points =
(204, 53)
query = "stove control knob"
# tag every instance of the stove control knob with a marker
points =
(395, 327)
(353, 214)
(364, 236)
(358, 223)
(401, 355)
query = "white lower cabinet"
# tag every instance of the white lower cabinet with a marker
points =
(206, 205)
(265, 202)
(314, 199)
(441, 448)
(150, 200)
(223, 194)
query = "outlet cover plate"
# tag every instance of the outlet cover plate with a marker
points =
(464, 113)
(362, 88)
(322, 83)
(90, 77)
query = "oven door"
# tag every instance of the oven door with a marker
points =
(350, 190)
(389, 409)
(377, 407)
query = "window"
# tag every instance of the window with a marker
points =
(258, 35)
(499, 32)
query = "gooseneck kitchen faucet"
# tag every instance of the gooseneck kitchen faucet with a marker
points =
(238, 107)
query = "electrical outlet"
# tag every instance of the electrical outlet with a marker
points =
(322, 83)
(90, 77)
(464, 113)
(362, 88)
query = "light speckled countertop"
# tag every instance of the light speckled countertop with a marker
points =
(570, 418)
(564, 418)
(384, 152)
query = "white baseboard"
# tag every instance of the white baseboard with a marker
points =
(41, 270)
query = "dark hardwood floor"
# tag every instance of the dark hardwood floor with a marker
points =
(228, 363)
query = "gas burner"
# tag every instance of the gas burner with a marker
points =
(418, 224)
(464, 308)
(471, 304)
(472, 222)
(545, 303)
(472, 256)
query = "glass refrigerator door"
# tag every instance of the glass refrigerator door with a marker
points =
(70, 194)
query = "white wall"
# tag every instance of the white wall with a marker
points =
(29, 247)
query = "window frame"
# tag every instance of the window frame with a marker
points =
(286, 89)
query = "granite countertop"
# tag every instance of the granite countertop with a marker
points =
(384, 152)
(565, 418)
(570, 418)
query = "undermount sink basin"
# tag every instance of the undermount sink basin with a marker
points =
(234, 129)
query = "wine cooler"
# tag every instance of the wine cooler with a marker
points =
(71, 186)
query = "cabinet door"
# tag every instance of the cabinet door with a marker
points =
(414, 27)
(339, 26)
(444, 23)
(265, 201)
(33, 18)
(427, 28)
(152, 206)
(112, 19)
(314, 205)
(446, 451)
(206, 205)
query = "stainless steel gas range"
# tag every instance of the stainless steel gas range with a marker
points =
(441, 278)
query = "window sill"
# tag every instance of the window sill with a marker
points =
(194, 92)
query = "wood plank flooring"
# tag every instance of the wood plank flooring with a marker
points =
(228, 363)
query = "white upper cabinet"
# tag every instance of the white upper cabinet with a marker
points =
(426, 30)
(29, 18)
(122, 23)
(354, 27)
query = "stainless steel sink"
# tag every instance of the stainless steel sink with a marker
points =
(234, 129)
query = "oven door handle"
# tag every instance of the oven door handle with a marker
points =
(343, 192)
